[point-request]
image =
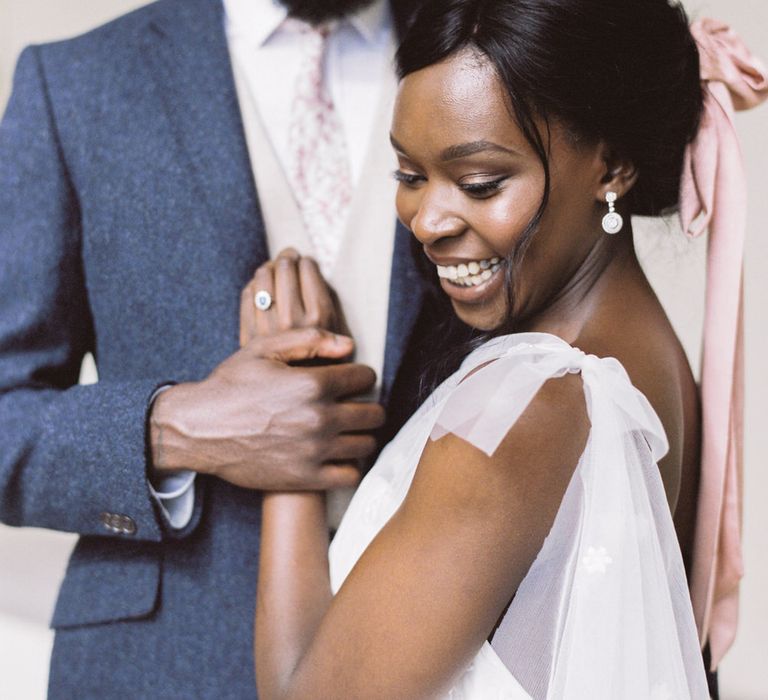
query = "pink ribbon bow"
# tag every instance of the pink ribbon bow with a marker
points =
(713, 196)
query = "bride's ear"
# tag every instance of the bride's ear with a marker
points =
(619, 174)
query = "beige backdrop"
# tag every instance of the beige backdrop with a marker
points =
(32, 561)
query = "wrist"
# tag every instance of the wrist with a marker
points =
(295, 514)
(168, 435)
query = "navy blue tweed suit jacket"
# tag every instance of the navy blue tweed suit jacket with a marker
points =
(129, 223)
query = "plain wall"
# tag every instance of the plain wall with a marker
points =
(32, 561)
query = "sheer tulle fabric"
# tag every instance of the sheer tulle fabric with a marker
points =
(604, 611)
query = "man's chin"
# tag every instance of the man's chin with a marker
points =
(319, 11)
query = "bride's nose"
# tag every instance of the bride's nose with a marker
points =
(436, 217)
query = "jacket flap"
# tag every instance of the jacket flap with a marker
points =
(108, 580)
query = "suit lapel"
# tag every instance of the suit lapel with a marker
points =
(188, 57)
(406, 297)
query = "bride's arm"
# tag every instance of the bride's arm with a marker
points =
(294, 589)
(429, 589)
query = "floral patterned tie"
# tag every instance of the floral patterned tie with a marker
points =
(319, 169)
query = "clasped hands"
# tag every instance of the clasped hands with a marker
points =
(280, 413)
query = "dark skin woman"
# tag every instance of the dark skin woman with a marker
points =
(472, 189)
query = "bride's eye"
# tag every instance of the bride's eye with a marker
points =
(409, 179)
(481, 190)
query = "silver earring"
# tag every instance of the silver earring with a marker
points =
(612, 221)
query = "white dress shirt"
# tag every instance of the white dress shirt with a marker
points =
(358, 57)
(358, 61)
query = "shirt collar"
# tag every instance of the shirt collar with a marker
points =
(257, 20)
(253, 20)
(371, 21)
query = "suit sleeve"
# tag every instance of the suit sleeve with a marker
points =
(72, 458)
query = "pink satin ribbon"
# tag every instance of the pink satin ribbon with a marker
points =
(714, 196)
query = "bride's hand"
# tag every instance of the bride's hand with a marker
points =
(301, 298)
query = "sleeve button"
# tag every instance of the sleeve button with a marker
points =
(121, 524)
(127, 525)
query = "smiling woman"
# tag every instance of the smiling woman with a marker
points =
(516, 539)
(495, 186)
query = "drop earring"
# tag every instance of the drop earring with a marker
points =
(612, 221)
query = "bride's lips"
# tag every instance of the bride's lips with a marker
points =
(470, 281)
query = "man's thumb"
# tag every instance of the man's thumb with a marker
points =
(307, 344)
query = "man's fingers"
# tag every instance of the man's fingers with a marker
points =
(338, 476)
(348, 447)
(355, 416)
(305, 344)
(347, 379)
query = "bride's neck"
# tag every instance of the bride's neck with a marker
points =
(610, 267)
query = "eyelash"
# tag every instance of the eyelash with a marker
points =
(406, 178)
(483, 189)
(479, 189)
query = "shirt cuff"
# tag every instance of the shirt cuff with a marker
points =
(174, 493)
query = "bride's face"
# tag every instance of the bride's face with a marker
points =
(469, 184)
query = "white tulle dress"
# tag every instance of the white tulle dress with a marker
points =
(604, 612)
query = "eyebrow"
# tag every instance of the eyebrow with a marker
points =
(462, 150)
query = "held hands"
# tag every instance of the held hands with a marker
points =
(259, 422)
(301, 298)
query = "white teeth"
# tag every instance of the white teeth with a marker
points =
(470, 274)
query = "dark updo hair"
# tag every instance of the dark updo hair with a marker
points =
(622, 71)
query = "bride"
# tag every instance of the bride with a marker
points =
(516, 539)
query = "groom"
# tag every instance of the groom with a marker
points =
(147, 169)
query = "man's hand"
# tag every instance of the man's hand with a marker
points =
(260, 423)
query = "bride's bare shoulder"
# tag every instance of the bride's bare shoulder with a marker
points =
(644, 341)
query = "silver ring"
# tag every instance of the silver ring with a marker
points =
(262, 300)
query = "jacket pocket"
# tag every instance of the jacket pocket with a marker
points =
(107, 580)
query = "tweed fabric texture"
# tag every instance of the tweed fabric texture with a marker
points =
(129, 223)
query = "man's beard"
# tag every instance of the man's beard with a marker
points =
(319, 11)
